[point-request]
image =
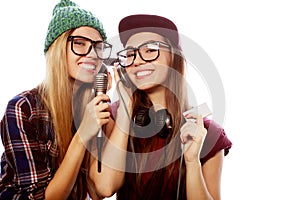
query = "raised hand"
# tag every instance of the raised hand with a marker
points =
(192, 136)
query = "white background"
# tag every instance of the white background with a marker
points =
(255, 46)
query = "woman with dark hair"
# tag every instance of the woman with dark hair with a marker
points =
(165, 155)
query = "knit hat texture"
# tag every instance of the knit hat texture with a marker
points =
(68, 15)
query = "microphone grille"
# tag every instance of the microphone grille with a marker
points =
(101, 82)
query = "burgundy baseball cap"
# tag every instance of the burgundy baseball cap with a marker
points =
(133, 24)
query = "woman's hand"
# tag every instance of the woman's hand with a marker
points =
(123, 91)
(124, 110)
(192, 136)
(95, 116)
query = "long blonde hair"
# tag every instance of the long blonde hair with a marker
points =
(57, 93)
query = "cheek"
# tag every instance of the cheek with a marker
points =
(164, 72)
(164, 65)
(165, 58)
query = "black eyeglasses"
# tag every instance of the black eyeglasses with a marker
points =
(82, 46)
(148, 52)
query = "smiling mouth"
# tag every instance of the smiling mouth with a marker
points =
(88, 67)
(144, 73)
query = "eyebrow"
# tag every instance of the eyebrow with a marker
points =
(83, 37)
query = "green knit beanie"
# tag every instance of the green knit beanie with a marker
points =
(68, 15)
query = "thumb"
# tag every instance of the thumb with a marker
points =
(200, 120)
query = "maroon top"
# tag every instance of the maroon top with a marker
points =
(166, 188)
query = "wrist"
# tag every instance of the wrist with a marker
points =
(123, 118)
(193, 164)
(82, 138)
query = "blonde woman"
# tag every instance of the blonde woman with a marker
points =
(45, 131)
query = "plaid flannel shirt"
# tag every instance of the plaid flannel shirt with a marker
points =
(29, 150)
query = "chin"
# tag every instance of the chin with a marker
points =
(147, 86)
(85, 79)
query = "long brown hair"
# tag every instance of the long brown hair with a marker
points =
(176, 103)
(57, 93)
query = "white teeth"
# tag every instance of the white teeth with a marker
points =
(89, 67)
(143, 73)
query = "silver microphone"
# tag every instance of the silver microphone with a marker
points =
(101, 82)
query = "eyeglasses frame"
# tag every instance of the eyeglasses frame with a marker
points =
(93, 43)
(137, 49)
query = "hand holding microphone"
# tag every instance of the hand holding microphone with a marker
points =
(101, 82)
